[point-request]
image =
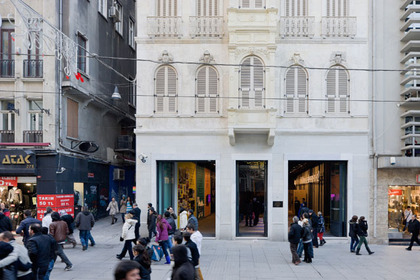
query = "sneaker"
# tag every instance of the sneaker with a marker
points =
(408, 249)
(84, 248)
(93, 244)
(68, 268)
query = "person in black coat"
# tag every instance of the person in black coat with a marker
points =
(414, 228)
(151, 222)
(24, 225)
(172, 231)
(5, 223)
(195, 255)
(353, 233)
(70, 224)
(295, 234)
(362, 228)
(136, 212)
(314, 223)
(40, 248)
(142, 257)
(183, 268)
(307, 240)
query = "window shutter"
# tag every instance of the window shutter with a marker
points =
(343, 90)
(331, 88)
(160, 89)
(329, 7)
(215, 7)
(201, 90)
(304, 8)
(172, 81)
(245, 82)
(290, 90)
(345, 8)
(258, 3)
(245, 3)
(213, 90)
(258, 70)
(287, 8)
(302, 90)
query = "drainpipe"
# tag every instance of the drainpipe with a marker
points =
(60, 77)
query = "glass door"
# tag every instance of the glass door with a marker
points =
(338, 188)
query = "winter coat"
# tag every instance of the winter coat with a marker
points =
(353, 228)
(183, 220)
(171, 222)
(151, 221)
(24, 226)
(5, 223)
(70, 222)
(145, 270)
(314, 221)
(136, 214)
(414, 227)
(19, 252)
(183, 268)
(193, 220)
(295, 233)
(307, 234)
(123, 206)
(195, 255)
(362, 228)
(85, 220)
(128, 232)
(39, 250)
(59, 230)
(321, 224)
(112, 208)
(162, 230)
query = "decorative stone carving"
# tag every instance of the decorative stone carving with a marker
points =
(338, 57)
(240, 52)
(296, 59)
(166, 57)
(207, 57)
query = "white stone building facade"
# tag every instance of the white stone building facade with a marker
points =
(255, 81)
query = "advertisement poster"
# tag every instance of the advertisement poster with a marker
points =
(187, 186)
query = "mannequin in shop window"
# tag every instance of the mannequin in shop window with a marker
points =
(3, 194)
(15, 196)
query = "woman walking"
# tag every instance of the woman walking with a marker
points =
(353, 234)
(129, 205)
(362, 233)
(306, 239)
(321, 229)
(142, 257)
(162, 236)
(128, 235)
(123, 207)
(183, 218)
(113, 210)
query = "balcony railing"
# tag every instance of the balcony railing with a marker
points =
(33, 68)
(7, 136)
(7, 68)
(339, 27)
(165, 27)
(297, 27)
(32, 136)
(206, 27)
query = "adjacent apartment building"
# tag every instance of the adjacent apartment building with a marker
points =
(247, 109)
(60, 131)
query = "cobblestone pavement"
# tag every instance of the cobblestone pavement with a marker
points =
(247, 259)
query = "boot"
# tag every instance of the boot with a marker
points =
(358, 251)
(369, 251)
(168, 260)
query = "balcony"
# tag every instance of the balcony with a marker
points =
(7, 68)
(339, 27)
(206, 27)
(164, 27)
(7, 136)
(296, 27)
(32, 136)
(33, 68)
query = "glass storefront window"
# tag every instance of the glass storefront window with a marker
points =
(399, 198)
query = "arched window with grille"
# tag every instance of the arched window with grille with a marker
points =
(338, 90)
(251, 84)
(296, 96)
(166, 90)
(207, 90)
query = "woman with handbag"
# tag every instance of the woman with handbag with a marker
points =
(128, 235)
(162, 236)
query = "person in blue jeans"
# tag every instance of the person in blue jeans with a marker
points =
(353, 233)
(84, 222)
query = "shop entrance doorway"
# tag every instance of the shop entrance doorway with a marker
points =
(251, 200)
(322, 186)
(188, 185)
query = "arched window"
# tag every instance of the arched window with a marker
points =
(251, 89)
(338, 93)
(296, 8)
(296, 81)
(166, 90)
(207, 86)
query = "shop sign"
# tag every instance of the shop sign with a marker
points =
(40, 212)
(91, 175)
(17, 161)
(55, 200)
(8, 181)
(394, 192)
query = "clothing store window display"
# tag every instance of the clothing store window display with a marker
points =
(4, 194)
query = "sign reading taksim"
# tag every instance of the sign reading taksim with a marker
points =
(56, 201)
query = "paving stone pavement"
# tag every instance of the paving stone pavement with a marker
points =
(247, 259)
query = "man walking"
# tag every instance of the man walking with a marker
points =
(151, 222)
(25, 224)
(84, 222)
(295, 234)
(414, 228)
(70, 224)
(40, 247)
(192, 219)
(47, 220)
(19, 253)
(136, 215)
(314, 224)
(59, 230)
(5, 223)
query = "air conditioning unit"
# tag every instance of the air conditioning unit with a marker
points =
(113, 13)
(119, 174)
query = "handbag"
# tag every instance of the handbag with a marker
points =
(157, 253)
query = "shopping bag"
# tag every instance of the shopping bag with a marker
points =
(157, 253)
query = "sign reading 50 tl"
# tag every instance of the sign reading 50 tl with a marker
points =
(16, 159)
